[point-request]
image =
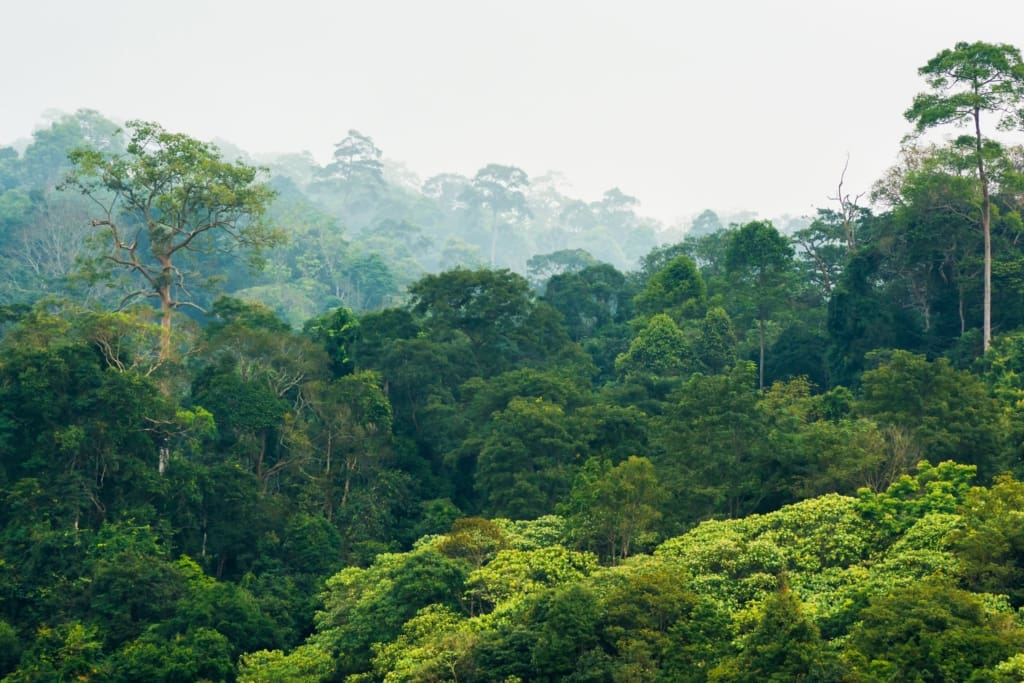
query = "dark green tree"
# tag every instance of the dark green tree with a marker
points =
(715, 348)
(494, 310)
(526, 464)
(711, 447)
(337, 331)
(761, 261)
(948, 412)
(658, 351)
(823, 249)
(568, 619)
(677, 290)
(861, 318)
(590, 299)
(929, 631)
(991, 542)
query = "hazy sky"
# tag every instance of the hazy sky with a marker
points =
(731, 105)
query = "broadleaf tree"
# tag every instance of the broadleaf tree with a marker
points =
(166, 200)
(760, 259)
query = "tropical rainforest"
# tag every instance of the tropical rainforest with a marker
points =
(270, 420)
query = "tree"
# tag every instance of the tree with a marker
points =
(257, 373)
(337, 330)
(568, 620)
(825, 448)
(45, 161)
(495, 310)
(862, 316)
(365, 606)
(353, 186)
(705, 224)
(596, 303)
(198, 654)
(616, 222)
(353, 425)
(935, 248)
(659, 350)
(474, 539)
(40, 230)
(526, 463)
(947, 412)
(318, 251)
(929, 631)
(991, 542)
(971, 79)
(822, 249)
(71, 419)
(677, 289)
(615, 509)
(716, 346)
(500, 190)
(71, 651)
(306, 664)
(542, 267)
(9, 169)
(168, 199)
(784, 646)
(435, 645)
(368, 281)
(356, 159)
(515, 574)
(711, 448)
(760, 258)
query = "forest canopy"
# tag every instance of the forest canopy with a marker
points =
(475, 429)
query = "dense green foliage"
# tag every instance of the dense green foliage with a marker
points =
(472, 429)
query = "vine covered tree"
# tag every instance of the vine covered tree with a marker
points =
(165, 201)
(966, 82)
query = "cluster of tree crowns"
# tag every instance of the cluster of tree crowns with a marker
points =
(229, 462)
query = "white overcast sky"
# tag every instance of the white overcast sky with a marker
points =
(730, 105)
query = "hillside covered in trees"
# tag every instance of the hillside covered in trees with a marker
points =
(332, 423)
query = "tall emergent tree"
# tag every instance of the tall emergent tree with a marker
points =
(760, 259)
(165, 201)
(500, 190)
(970, 80)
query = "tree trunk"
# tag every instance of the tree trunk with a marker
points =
(760, 368)
(960, 308)
(265, 480)
(328, 489)
(494, 235)
(166, 307)
(986, 227)
(350, 467)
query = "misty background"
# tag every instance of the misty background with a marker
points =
(740, 106)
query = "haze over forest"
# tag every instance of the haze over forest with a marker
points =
(734, 107)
